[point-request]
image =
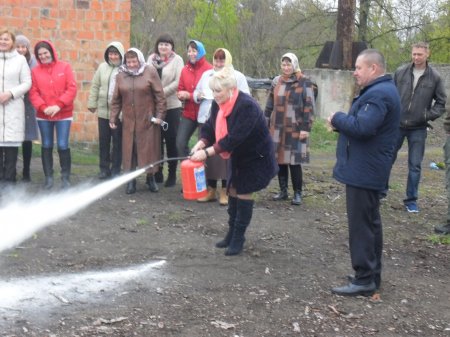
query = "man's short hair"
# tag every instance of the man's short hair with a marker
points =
(421, 44)
(375, 57)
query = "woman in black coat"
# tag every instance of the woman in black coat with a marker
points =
(237, 130)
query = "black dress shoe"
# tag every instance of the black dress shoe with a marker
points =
(355, 290)
(351, 279)
(442, 229)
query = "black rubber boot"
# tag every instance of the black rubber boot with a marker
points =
(244, 212)
(297, 182)
(65, 161)
(172, 177)
(232, 207)
(152, 185)
(47, 165)
(131, 187)
(27, 148)
(283, 182)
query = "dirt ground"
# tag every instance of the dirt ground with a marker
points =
(92, 275)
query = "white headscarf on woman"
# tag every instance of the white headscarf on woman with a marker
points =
(294, 61)
(141, 60)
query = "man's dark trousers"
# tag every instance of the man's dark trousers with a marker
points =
(365, 234)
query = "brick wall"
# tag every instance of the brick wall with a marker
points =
(80, 31)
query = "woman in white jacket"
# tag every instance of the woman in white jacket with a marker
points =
(15, 81)
(216, 167)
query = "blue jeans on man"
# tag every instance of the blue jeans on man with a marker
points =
(416, 149)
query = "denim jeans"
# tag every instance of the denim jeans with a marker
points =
(62, 133)
(447, 174)
(185, 131)
(416, 149)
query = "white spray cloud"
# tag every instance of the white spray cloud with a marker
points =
(23, 216)
(35, 295)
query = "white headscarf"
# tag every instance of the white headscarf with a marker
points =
(294, 61)
(141, 60)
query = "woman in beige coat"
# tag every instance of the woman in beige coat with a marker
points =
(139, 95)
(168, 65)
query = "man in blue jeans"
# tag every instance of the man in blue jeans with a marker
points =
(423, 98)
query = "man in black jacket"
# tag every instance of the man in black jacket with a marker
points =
(423, 98)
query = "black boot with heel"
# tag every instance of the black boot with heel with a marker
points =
(297, 182)
(244, 212)
(47, 165)
(283, 182)
(232, 207)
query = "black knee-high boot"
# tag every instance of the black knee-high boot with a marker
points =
(65, 162)
(283, 182)
(151, 183)
(244, 212)
(297, 182)
(131, 187)
(47, 165)
(172, 176)
(171, 153)
(232, 207)
(27, 147)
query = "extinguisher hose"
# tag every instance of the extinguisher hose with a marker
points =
(164, 160)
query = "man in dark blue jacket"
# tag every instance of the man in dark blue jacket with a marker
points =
(423, 98)
(364, 156)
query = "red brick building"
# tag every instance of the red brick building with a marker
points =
(80, 31)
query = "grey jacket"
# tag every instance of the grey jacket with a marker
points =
(417, 104)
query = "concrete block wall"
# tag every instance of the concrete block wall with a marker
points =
(80, 31)
(337, 88)
(336, 91)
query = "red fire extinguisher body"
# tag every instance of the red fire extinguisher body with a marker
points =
(193, 180)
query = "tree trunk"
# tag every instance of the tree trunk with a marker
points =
(364, 6)
(345, 30)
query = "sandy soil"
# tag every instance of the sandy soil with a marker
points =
(146, 265)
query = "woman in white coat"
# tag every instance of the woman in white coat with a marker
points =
(15, 82)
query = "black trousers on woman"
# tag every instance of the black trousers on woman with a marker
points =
(169, 140)
(110, 157)
(8, 162)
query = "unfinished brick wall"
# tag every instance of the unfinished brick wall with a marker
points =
(80, 31)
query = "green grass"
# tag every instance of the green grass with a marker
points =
(81, 154)
(439, 239)
(142, 222)
(322, 140)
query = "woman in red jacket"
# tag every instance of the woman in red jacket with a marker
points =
(52, 94)
(190, 75)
